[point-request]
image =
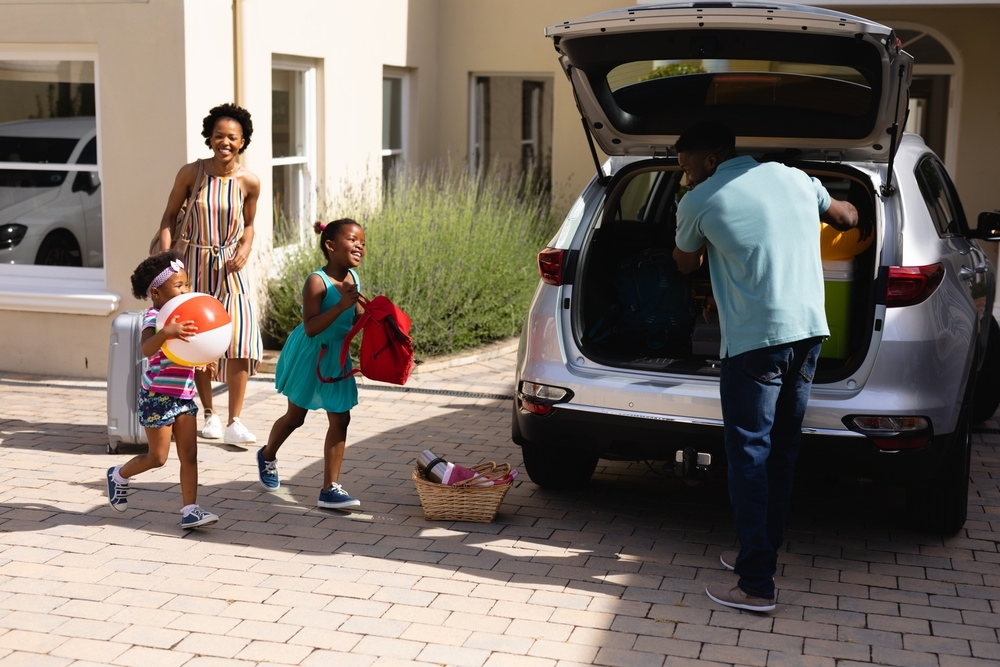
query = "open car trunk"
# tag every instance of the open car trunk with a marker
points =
(634, 309)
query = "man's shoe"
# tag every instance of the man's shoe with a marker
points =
(335, 497)
(733, 596)
(198, 517)
(212, 430)
(237, 434)
(728, 559)
(117, 493)
(267, 471)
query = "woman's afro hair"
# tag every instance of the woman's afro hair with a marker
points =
(239, 114)
(149, 269)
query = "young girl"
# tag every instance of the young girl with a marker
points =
(165, 396)
(329, 300)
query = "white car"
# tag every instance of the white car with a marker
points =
(619, 357)
(50, 215)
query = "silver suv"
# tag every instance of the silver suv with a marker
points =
(619, 357)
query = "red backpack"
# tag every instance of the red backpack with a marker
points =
(386, 346)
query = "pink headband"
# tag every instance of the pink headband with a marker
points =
(176, 266)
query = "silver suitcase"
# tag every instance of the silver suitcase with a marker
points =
(125, 368)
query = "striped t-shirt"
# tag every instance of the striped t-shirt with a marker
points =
(164, 376)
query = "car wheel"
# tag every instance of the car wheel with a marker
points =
(986, 397)
(942, 503)
(59, 249)
(558, 468)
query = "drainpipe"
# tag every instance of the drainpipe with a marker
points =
(238, 68)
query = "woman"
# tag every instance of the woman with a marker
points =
(221, 235)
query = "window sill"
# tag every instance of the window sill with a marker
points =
(56, 289)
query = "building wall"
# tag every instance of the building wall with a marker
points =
(141, 123)
(973, 31)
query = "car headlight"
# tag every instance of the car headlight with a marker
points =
(11, 234)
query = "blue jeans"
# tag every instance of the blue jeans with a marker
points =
(764, 394)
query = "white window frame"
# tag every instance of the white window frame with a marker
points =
(404, 109)
(307, 102)
(59, 289)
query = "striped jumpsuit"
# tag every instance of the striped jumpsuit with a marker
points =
(216, 224)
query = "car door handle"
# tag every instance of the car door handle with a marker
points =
(968, 274)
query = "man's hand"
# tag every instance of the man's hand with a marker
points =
(842, 216)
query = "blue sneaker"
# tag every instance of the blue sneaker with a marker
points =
(335, 498)
(267, 471)
(198, 517)
(117, 493)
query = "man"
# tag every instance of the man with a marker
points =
(759, 225)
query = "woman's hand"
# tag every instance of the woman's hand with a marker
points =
(238, 260)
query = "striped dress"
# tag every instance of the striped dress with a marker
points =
(216, 225)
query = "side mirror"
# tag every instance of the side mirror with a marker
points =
(87, 181)
(988, 226)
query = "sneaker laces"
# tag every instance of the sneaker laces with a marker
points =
(270, 467)
(238, 426)
(336, 488)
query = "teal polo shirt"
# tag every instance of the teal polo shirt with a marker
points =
(761, 223)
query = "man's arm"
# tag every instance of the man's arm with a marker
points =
(689, 262)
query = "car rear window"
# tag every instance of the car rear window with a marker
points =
(639, 87)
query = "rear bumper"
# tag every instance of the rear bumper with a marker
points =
(629, 438)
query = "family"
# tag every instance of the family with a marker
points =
(215, 202)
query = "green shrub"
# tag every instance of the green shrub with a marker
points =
(457, 254)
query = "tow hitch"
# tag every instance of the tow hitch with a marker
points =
(689, 463)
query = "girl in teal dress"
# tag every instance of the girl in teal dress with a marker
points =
(329, 302)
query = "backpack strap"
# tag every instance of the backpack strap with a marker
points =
(345, 349)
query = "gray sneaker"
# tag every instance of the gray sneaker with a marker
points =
(733, 596)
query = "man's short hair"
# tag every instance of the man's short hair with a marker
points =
(708, 135)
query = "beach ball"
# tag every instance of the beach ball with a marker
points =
(215, 329)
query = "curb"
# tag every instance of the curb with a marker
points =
(269, 362)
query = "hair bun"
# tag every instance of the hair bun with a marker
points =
(319, 227)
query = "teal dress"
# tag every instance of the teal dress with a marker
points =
(296, 375)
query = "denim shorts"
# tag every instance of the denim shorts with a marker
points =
(160, 410)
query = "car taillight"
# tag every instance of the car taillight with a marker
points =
(891, 432)
(910, 285)
(550, 265)
(539, 398)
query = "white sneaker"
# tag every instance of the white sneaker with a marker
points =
(213, 426)
(237, 433)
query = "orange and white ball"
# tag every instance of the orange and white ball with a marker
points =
(215, 329)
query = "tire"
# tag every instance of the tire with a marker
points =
(986, 396)
(557, 468)
(941, 504)
(59, 249)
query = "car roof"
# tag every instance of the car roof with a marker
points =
(59, 128)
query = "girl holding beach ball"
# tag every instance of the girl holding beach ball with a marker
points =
(166, 405)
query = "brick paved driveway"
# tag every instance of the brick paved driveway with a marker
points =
(613, 575)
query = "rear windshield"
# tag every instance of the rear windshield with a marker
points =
(639, 87)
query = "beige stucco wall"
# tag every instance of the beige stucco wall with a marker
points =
(974, 32)
(141, 112)
(508, 38)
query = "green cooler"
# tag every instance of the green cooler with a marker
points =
(837, 278)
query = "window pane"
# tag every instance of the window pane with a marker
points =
(287, 131)
(291, 196)
(511, 125)
(392, 114)
(47, 116)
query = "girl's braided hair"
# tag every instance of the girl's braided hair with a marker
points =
(148, 269)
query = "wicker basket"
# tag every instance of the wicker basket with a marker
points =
(463, 502)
